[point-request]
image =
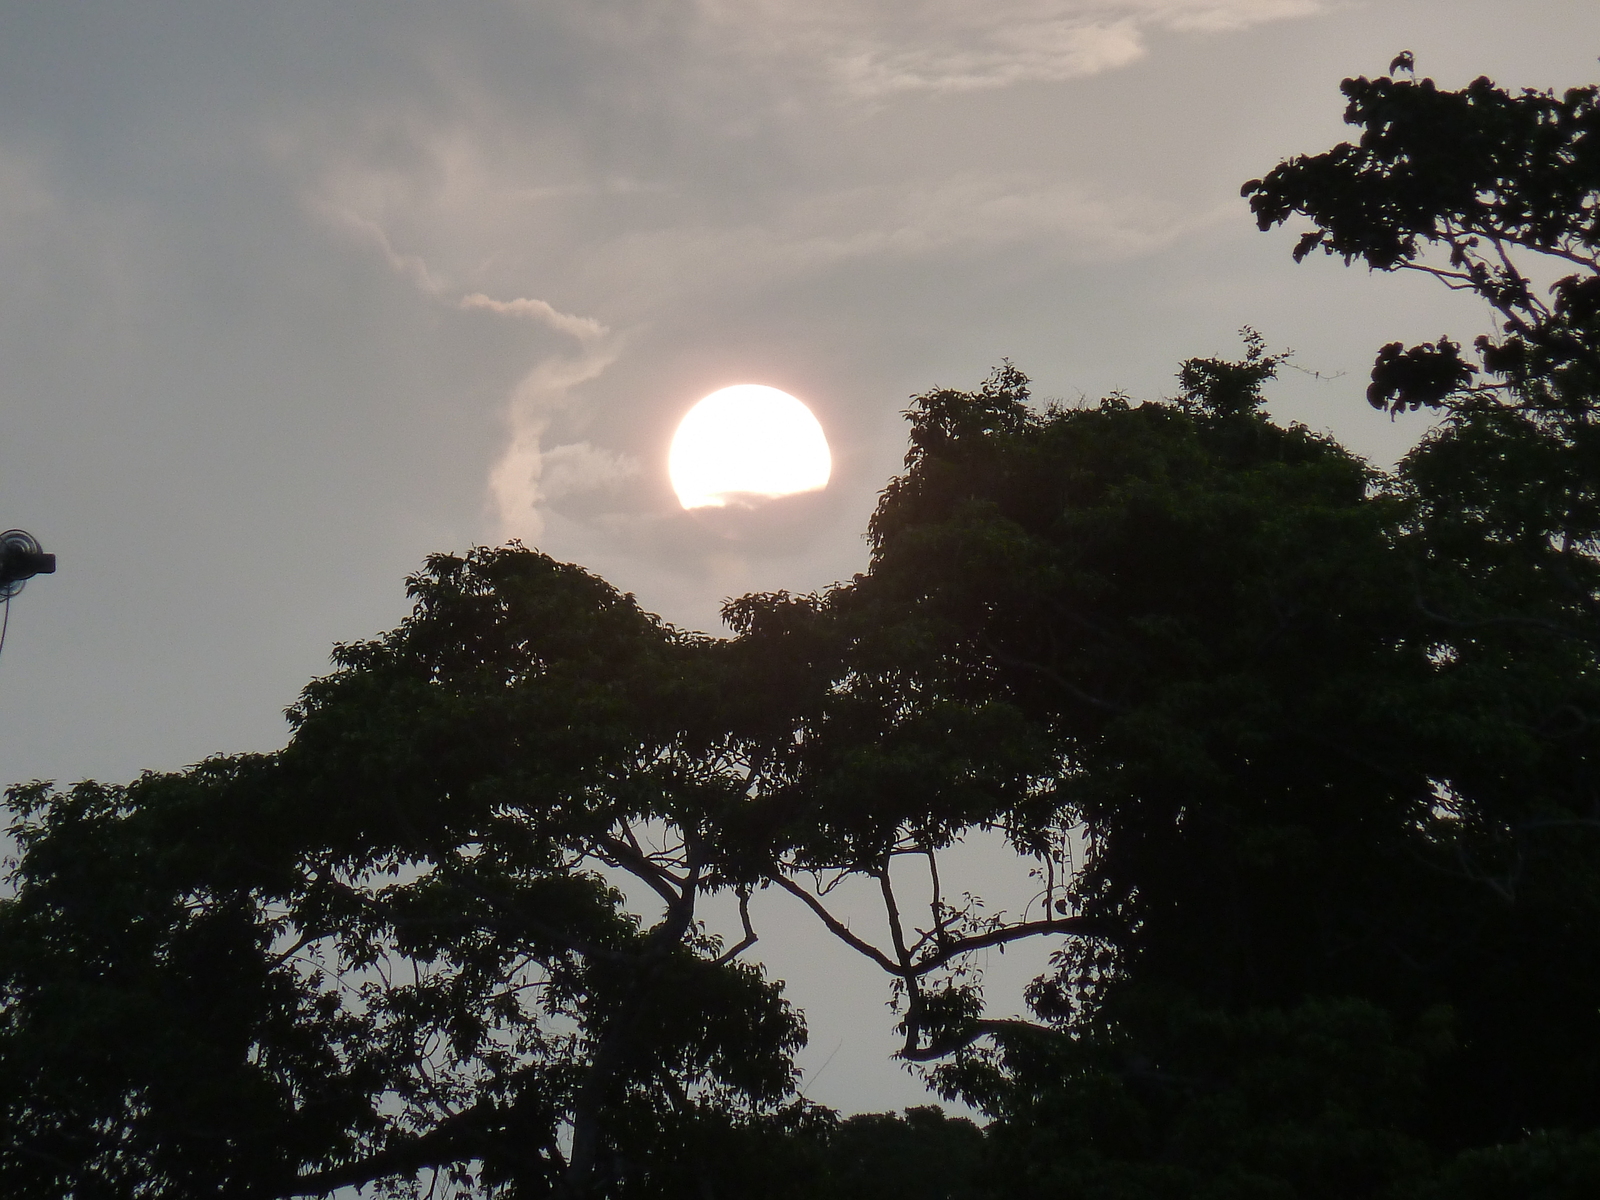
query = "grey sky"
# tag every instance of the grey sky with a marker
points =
(299, 291)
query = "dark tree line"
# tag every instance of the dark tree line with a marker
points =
(1325, 735)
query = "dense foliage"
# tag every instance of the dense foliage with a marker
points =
(1302, 753)
(392, 947)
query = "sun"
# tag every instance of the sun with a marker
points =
(745, 444)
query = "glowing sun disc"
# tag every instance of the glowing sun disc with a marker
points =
(747, 441)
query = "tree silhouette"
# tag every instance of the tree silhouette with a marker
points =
(1321, 739)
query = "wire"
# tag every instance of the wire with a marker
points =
(5, 622)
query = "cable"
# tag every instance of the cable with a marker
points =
(5, 622)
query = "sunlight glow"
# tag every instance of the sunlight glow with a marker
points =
(744, 443)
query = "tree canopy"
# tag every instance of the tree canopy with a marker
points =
(1300, 752)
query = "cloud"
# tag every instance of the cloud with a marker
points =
(843, 230)
(1221, 16)
(981, 213)
(585, 329)
(578, 467)
(526, 476)
(519, 486)
(720, 161)
(881, 47)
(988, 55)
(408, 266)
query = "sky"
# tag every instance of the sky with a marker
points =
(297, 292)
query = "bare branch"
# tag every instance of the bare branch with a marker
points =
(1005, 934)
(891, 909)
(1459, 281)
(634, 860)
(749, 938)
(836, 926)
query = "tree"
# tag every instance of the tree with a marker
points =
(451, 933)
(399, 947)
(923, 1154)
(1328, 736)
(1486, 192)
(1497, 194)
(1303, 755)
(1177, 634)
(1306, 952)
(1091, 591)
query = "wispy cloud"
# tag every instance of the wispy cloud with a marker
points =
(718, 163)
(585, 329)
(579, 467)
(876, 48)
(526, 476)
(408, 266)
(852, 228)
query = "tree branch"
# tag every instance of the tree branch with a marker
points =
(970, 1034)
(1005, 934)
(636, 862)
(835, 926)
(749, 938)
